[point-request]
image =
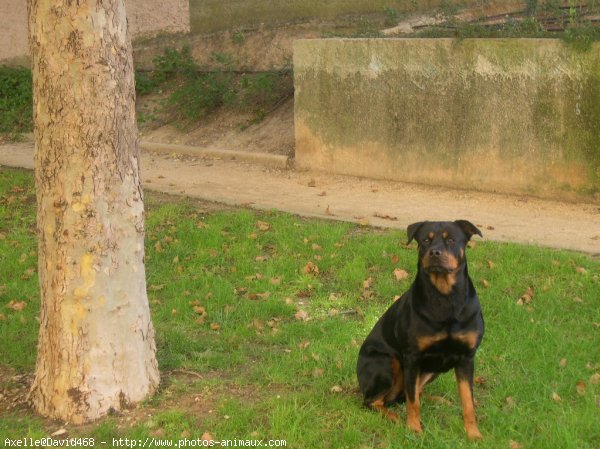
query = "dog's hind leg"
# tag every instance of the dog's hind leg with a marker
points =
(395, 392)
(379, 406)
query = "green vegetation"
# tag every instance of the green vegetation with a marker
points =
(16, 108)
(194, 94)
(549, 19)
(259, 316)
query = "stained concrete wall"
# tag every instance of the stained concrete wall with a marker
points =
(146, 17)
(519, 115)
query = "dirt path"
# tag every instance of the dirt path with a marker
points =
(379, 203)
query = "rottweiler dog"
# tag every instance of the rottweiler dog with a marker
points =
(437, 325)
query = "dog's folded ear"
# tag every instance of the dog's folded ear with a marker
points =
(412, 230)
(468, 228)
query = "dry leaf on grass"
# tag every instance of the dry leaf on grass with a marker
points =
(400, 274)
(16, 305)
(562, 363)
(311, 268)
(301, 315)
(318, 372)
(263, 225)
(514, 445)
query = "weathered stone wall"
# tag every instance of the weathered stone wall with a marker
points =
(146, 18)
(513, 115)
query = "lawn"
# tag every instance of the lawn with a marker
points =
(259, 317)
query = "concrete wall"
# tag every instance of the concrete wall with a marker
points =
(146, 17)
(516, 115)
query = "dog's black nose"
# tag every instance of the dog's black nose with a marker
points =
(435, 252)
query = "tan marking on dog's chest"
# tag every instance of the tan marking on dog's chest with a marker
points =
(443, 282)
(426, 341)
(468, 338)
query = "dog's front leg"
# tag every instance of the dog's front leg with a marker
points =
(411, 388)
(464, 378)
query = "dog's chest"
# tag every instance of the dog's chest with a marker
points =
(440, 352)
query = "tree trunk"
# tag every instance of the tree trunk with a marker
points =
(96, 348)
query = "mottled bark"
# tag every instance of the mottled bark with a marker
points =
(96, 348)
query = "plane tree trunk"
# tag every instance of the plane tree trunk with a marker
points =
(96, 350)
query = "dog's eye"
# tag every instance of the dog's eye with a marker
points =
(426, 241)
(450, 241)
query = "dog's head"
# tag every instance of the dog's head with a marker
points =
(442, 248)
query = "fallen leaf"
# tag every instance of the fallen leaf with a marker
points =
(16, 305)
(328, 211)
(438, 399)
(155, 288)
(275, 281)
(59, 433)
(485, 283)
(527, 297)
(257, 296)
(263, 225)
(336, 389)
(215, 326)
(595, 379)
(312, 183)
(577, 300)
(315, 247)
(301, 315)
(510, 401)
(304, 344)
(394, 259)
(333, 312)
(581, 387)
(480, 380)
(261, 258)
(556, 397)
(490, 264)
(28, 274)
(173, 311)
(2, 317)
(514, 445)
(323, 193)
(580, 270)
(562, 363)
(311, 268)
(200, 310)
(400, 274)
(318, 372)
(367, 283)
(206, 436)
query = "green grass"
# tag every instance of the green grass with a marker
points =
(16, 110)
(264, 374)
(193, 94)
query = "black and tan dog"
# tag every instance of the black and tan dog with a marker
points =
(435, 326)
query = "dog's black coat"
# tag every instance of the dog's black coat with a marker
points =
(437, 325)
